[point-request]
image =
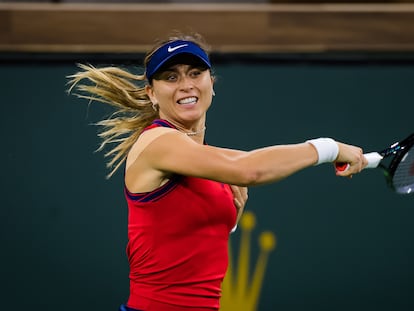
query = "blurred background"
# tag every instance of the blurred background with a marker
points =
(286, 71)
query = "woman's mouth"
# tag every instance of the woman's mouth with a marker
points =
(188, 101)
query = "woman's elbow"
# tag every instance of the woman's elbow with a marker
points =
(254, 177)
(250, 177)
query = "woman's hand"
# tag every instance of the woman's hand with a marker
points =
(240, 197)
(353, 156)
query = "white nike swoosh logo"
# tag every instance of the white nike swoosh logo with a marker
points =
(170, 49)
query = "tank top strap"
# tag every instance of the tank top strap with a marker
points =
(159, 123)
(162, 123)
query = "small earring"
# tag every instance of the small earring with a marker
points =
(155, 106)
(214, 93)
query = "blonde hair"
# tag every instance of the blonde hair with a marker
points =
(125, 92)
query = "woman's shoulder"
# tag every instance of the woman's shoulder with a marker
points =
(145, 139)
(138, 159)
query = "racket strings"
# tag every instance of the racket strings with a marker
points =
(403, 179)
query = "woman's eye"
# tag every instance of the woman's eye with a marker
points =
(195, 73)
(171, 77)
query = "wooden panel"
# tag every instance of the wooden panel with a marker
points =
(229, 28)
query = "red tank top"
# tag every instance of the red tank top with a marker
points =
(178, 243)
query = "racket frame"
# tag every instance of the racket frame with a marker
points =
(399, 151)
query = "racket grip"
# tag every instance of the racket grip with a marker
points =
(373, 158)
(341, 166)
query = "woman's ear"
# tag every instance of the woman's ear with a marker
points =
(150, 92)
(212, 85)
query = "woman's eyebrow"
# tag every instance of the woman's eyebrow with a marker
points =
(174, 68)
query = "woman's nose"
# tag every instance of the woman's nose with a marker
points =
(186, 83)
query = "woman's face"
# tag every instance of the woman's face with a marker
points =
(183, 92)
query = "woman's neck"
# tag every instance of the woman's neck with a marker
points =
(197, 130)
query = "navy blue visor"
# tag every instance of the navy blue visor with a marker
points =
(171, 49)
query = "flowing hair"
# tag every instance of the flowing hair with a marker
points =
(125, 92)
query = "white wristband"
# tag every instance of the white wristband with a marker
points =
(327, 149)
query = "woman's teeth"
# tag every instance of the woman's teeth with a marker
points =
(188, 100)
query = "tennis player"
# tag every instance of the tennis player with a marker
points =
(184, 196)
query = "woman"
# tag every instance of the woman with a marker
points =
(181, 207)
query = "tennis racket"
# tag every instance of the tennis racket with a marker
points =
(397, 163)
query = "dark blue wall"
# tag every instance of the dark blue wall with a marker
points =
(342, 244)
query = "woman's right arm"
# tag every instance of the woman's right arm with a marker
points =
(175, 152)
